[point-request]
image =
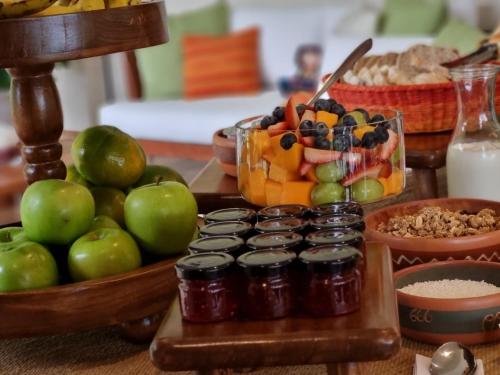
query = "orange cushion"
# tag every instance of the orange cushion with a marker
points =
(221, 65)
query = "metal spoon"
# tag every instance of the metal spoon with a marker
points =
(453, 358)
(354, 56)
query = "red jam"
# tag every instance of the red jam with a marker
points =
(226, 228)
(267, 289)
(217, 244)
(332, 282)
(288, 224)
(275, 240)
(338, 208)
(206, 287)
(231, 214)
(282, 211)
(344, 222)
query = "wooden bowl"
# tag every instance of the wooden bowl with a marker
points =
(114, 300)
(410, 251)
(225, 152)
(435, 320)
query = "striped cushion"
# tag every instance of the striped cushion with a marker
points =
(221, 65)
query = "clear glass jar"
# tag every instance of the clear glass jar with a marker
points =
(283, 211)
(267, 289)
(240, 229)
(231, 214)
(231, 245)
(345, 222)
(473, 157)
(338, 208)
(332, 281)
(206, 288)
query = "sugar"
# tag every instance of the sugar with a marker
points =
(455, 288)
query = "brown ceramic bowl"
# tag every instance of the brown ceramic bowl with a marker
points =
(410, 251)
(435, 320)
(225, 152)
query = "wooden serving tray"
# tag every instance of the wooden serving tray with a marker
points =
(372, 333)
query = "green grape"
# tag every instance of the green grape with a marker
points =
(327, 193)
(367, 190)
(330, 172)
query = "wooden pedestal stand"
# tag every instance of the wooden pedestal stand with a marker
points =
(30, 47)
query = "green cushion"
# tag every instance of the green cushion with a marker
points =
(460, 35)
(412, 17)
(161, 66)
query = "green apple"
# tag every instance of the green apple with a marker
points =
(103, 252)
(26, 265)
(72, 175)
(103, 221)
(11, 236)
(56, 212)
(109, 201)
(162, 217)
(155, 173)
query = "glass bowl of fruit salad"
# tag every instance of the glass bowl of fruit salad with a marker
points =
(320, 154)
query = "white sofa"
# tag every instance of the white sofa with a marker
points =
(283, 29)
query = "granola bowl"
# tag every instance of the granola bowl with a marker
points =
(424, 239)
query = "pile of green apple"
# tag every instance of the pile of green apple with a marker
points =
(110, 213)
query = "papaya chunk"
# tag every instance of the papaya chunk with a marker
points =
(297, 192)
(279, 174)
(330, 119)
(273, 192)
(254, 191)
(290, 159)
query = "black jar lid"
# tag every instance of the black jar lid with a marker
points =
(204, 266)
(223, 244)
(266, 262)
(343, 221)
(335, 237)
(231, 214)
(284, 210)
(349, 207)
(332, 259)
(274, 240)
(286, 224)
(226, 228)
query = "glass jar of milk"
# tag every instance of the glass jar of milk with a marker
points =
(473, 158)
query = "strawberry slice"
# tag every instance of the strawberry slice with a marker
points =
(381, 169)
(291, 115)
(305, 167)
(315, 156)
(388, 148)
(277, 129)
(308, 141)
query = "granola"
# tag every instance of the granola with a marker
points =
(437, 222)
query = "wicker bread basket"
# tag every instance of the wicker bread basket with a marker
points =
(427, 108)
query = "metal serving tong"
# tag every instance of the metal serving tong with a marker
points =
(484, 53)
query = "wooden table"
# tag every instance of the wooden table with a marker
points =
(425, 154)
(370, 334)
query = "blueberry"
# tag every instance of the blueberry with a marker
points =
(369, 140)
(337, 130)
(332, 102)
(382, 134)
(288, 140)
(377, 118)
(268, 121)
(306, 128)
(279, 113)
(322, 105)
(322, 143)
(301, 108)
(349, 121)
(321, 129)
(355, 141)
(364, 112)
(338, 109)
(342, 143)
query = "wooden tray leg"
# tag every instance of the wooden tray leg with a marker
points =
(38, 120)
(425, 183)
(349, 368)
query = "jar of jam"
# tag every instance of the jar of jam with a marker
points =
(338, 208)
(276, 241)
(226, 228)
(217, 244)
(344, 222)
(206, 287)
(267, 289)
(284, 210)
(286, 224)
(331, 281)
(231, 214)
